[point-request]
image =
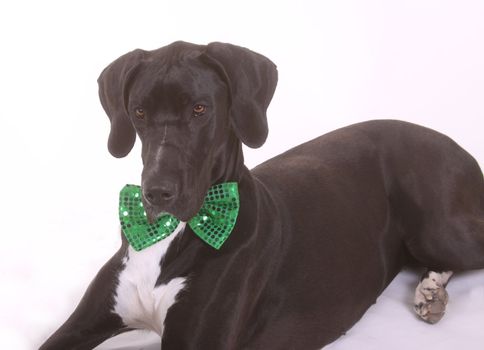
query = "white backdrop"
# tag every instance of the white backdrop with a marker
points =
(339, 62)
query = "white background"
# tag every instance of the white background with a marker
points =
(339, 62)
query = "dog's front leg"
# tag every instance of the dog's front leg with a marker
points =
(93, 321)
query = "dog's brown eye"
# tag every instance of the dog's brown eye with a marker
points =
(140, 113)
(198, 110)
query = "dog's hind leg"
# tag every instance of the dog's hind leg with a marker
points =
(457, 245)
(458, 248)
(441, 207)
(431, 297)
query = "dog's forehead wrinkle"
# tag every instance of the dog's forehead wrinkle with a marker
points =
(188, 80)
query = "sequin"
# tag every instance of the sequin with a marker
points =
(213, 223)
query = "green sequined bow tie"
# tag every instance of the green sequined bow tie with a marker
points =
(213, 223)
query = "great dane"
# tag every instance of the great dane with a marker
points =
(321, 229)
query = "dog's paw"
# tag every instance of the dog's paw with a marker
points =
(431, 297)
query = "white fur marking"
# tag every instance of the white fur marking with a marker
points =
(138, 302)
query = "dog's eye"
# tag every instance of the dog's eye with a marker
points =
(140, 113)
(198, 110)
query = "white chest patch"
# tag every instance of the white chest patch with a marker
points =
(138, 302)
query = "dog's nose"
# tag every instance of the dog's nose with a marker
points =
(163, 193)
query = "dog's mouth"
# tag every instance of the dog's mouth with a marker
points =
(181, 211)
(152, 214)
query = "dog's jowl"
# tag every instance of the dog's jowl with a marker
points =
(288, 255)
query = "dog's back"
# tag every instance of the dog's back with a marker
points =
(354, 206)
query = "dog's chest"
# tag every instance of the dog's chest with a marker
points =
(138, 302)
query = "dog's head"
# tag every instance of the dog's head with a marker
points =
(188, 104)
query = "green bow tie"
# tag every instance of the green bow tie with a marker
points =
(213, 223)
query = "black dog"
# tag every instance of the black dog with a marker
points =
(321, 231)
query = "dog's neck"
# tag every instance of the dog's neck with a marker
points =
(231, 162)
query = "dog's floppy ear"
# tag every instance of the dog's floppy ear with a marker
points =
(112, 86)
(252, 80)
